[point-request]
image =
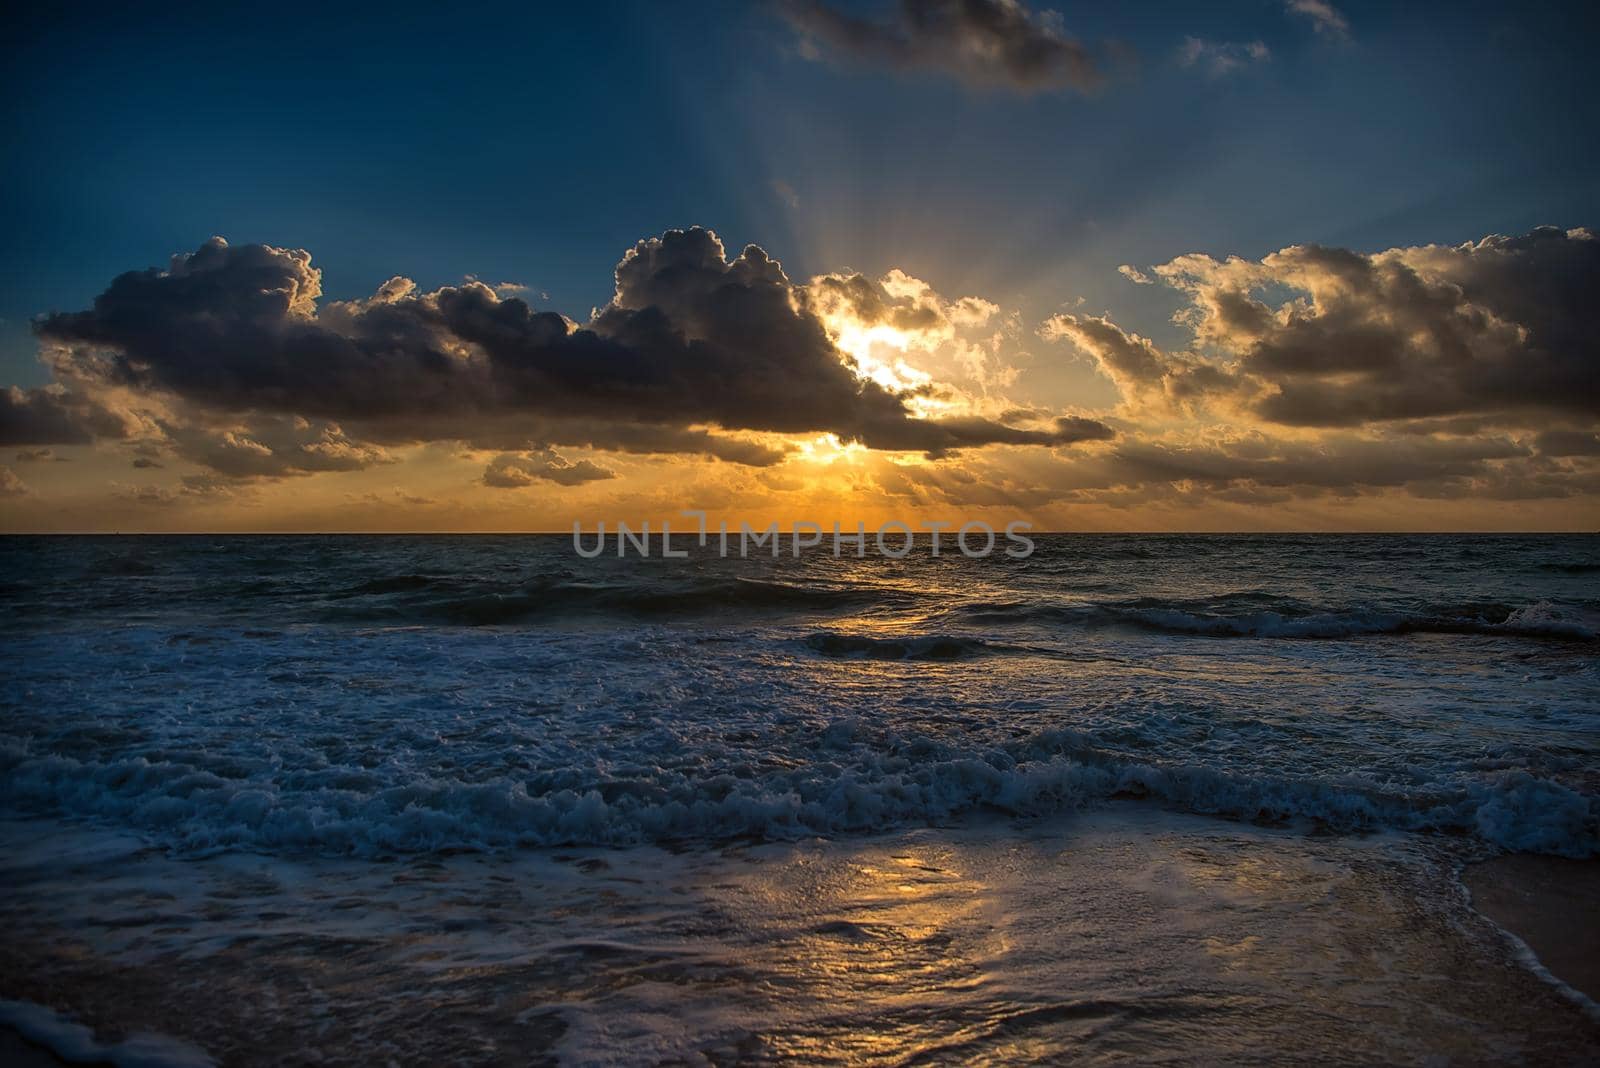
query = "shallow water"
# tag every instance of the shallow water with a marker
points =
(1126, 935)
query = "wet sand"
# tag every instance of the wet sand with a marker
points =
(1128, 934)
(1550, 903)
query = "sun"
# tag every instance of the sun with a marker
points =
(879, 352)
(829, 449)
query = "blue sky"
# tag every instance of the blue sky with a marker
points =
(536, 143)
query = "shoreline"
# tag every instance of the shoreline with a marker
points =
(1551, 905)
(22, 1052)
(1107, 935)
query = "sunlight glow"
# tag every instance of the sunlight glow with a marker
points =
(828, 449)
(879, 351)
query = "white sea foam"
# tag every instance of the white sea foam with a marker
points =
(76, 1043)
(848, 786)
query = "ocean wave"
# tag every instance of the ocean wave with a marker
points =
(1543, 619)
(855, 781)
(73, 1043)
(114, 566)
(910, 647)
(421, 598)
(395, 584)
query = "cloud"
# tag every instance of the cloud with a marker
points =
(639, 438)
(1325, 18)
(396, 495)
(54, 415)
(965, 432)
(190, 489)
(1313, 374)
(1340, 463)
(1438, 372)
(690, 340)
(1568, 443)
(1499, 329)
(1219, 58)
(981, 42)
(273, 447)
(1147, 377)
(11, 485)
(904, 335)
(1248, 467)
(511, 471)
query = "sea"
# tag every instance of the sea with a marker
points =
(480, 799)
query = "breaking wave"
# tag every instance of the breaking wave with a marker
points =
(911, 647)
(854, 782)
(1543, 619)
(386, 695)
(424, 598)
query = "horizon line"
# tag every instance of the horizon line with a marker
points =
(693, 533)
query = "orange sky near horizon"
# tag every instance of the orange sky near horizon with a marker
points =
(1073, 423)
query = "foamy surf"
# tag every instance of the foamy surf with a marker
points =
(848, 782)
(75, 1043)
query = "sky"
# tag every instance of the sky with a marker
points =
(1267, 265)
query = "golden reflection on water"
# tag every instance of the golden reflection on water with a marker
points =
(983, 952)
(1108, 939)
(893, 930)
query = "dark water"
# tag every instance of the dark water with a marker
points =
(474, 800)
(375, 695)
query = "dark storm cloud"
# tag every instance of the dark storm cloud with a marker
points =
(52, 415)
(972, 431)
(233, 329)
(690, 339)
(1501, 325)
(1569, 443)
(1500, 329)
(982, 42)
(273, 447)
